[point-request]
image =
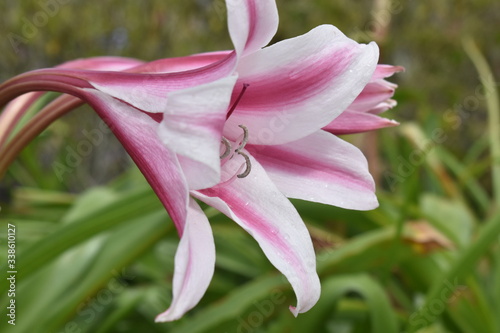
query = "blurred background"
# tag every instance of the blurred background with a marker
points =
(95, 249)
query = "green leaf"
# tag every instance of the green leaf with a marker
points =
(378, 306)
(371, 250)
(238, 252)
(469, 309)
(235, 304)
(95, 274)
(126, 302)
(130, 205)
(450, 217)
(461, 268)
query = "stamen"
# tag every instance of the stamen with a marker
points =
(227, 144)
(228, 150)
(248, 165)
(230, 112)
(245, 138)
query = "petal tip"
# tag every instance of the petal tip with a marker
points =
(163, 317)
(398, 69)
(294, 311)
(372, 204)
(393, 122)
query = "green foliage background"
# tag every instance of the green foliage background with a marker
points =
(95, 247)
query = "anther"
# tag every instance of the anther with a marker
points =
(228, 150)
(245, 138)
(248, 165)
(227, 146)
(230, 112)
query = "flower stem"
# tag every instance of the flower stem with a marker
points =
(13, 114)
(34, 127)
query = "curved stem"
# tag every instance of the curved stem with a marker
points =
(41, 80)
(35, 126)
(13, 113)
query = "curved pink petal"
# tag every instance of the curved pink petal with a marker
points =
(252, 24)
(373, 94)
(299, 85)
(137, 133)
(383, 71)
(259, 208)
(360, 116)
(178, 64)
(145, 91)
(194, 264)
(17, 107)
(350, 122)
(192, 127)
(102, 63)
(382, 107)
(320, 168)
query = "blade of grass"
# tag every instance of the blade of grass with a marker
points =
(496, 286)
(424, 144)
(127, 303)
(478, 193)
(372, 250)
(493, 105)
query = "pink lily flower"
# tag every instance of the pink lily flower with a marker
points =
(270, 106)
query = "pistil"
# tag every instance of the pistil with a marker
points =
(238, 99)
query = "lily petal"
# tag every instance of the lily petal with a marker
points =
(262, 210)
(252, 24)
(320, 168)
(350, 122)
(102, 63)
(194, 264)
(17, 107)
(299, 85)
(137, 133)
(373, 94)
(145, 91)
(382, 107)
(383, 71)
(169, 65)
(192, 127)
